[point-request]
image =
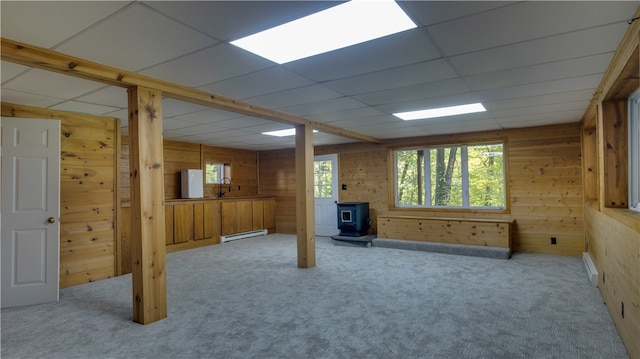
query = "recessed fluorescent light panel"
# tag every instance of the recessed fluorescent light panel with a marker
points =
(340, 26)
(283, 133)
(441, 112)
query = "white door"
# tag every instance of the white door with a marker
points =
(30, 211)
(325, 184)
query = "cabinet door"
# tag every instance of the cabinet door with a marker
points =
(168, 224)
(198, 221)
(229, 217)
(245, 216)
(270, 215)
(182, 223)
(212, 220)
(258, 217)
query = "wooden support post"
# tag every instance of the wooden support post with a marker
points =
(305, 219)
(147, 206)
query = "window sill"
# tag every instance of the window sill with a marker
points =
(449, 210)
(629, 217)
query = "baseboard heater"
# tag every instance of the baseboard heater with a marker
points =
(232, 237)
(591, 269)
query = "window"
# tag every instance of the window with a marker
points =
(323, 179)
(461, 176)
(215, 173)
(634, 151)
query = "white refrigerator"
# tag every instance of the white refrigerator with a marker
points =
(192, 184)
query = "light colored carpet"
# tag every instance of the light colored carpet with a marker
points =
(248, 299)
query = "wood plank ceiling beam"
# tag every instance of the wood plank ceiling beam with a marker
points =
(33, 56)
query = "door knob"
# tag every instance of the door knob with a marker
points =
(51, 220)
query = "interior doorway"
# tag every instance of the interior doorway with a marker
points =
(30, 211)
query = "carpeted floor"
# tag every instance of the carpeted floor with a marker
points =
(248, 299)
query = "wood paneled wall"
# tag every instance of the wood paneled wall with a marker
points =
(612, 229)
(244, 170)
(88, 192)
(183, 155)
(278, 178)
(544, 183)
(178, 156)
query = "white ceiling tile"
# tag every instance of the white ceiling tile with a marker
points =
(122, 114)
(229, 20)
(581, 66)
(415, 92)
(536, 89)
(354, 113)
(505, 25)
(23, 98)
(220, 62)
(429, 71)
(555, 48)
(40, 82)
(366, 122)
(540, 119)
(172, 108)
(541, 109)
(295, 96)
(120, 42)
(227, 133)
(8, 70)
(433, 12)
(313, 109)
(397, 131)
(540, 100)
(210, 115)
(83, 107)
(258, 83)
(242, 122)
(432, 102)
(401, 49)
(172, 124)
(539, 67)
(48, 23)
(107, 96)
(208, 129)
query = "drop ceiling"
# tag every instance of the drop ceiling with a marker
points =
(529, 63)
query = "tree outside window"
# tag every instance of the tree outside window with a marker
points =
(465, 176)
(322, 183)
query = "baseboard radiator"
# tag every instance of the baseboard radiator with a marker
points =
(591, 269)
(232, 237)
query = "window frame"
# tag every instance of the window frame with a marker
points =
(463, 146)
(634, 151)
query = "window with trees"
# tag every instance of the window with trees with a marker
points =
(217, 173)
(463, 176)
(323, 179)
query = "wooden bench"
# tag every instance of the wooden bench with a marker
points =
(468, 236)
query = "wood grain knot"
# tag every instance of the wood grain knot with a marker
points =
(151, 112)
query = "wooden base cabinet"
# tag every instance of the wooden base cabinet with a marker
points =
(248, 215)
(196, 223)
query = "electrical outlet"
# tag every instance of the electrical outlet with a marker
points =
(553, 240)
